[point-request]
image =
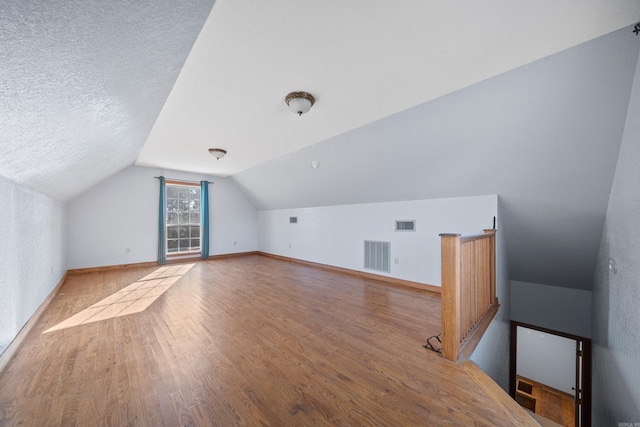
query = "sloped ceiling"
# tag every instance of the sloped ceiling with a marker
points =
(82, 83)
(362, 60)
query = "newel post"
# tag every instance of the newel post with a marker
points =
(450, 299)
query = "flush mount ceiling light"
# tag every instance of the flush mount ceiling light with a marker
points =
(218, 153)
(299, 102)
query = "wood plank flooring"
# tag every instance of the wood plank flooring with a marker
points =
(242, 341)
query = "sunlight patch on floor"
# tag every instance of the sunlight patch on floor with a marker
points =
(130, 300)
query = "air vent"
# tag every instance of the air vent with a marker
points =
(293, 220)
(406, 225)
(377, 256)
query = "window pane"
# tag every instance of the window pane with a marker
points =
(172, 205)
(184, 217)
(195, 218)
(172, 245)
(195, 205)
(195, 243)
(184, 193)
(172, 232)
(184, 245)
(172, 192)
(184, 205)
(194, 193)
(184, 232)
(172, 218)
(195, 231)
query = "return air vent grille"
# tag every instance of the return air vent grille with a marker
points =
(405, 225)
(377, 255)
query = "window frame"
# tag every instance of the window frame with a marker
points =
(191, 251)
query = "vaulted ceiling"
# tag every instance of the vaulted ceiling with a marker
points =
(362, 61)
(415, 99)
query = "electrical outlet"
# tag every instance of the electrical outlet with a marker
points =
(235, 243)
(289, 245)
(396, 260)
(127, 250)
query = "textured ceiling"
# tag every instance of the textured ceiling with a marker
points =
(362, 60)
(82, 82)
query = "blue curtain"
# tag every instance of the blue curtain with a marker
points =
(204, 219)
(162, 238)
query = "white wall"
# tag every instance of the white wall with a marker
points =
(559, 309)
(122, 212)
(616, 296)
(547, 359)
(492, 352)
(334, 235)
(32, 260)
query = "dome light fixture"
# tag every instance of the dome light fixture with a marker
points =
(300, 102)
(218, 153)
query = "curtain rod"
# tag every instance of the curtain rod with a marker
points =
(182, 180)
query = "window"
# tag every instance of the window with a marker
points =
(182, 218)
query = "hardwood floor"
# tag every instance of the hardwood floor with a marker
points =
(243, 341)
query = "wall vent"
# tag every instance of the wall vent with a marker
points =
(293, 220)
(377, 256)
(406, 225)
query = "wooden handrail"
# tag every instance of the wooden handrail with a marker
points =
(468, 288)
(473, 237)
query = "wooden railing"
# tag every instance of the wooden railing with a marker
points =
(468, 289)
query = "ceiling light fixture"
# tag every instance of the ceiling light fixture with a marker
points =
(300, 102)
(218, 153)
